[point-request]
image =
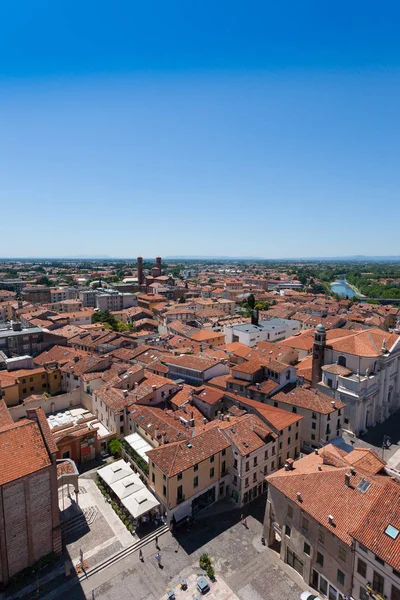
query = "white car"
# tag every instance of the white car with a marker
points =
(309, 596)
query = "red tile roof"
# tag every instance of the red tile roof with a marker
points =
(309, 400)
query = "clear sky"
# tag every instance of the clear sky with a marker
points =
(267, 128)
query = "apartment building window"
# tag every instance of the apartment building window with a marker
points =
(273, 466)
(363, 548)
(273, 450)
(320, 559)
(211, 472)
(321, 536)
(342, 553)
(255, 461)
(313, 426)
(121, 418)
(121, 429)
(362, 568)
(304, 524)
(164, 477)
(223, 452)
(378, 583)
(44, 385)
(314, 416)
(379, 560)
(247, 466)
(313, 436)
(195, 482)
(395, 595)
(297, 435)
(294, 409)
(276, 404)
(43, 376)
(179, 477)
(290, 428)
(153, 477)
(246, 482)
(234, 480)
(164, 490)
(30, 378)
(290, 511)
(23, 380)
(288, 531)
(266, 455)
(235, 463)
(254, 477)
(288, 440)
(340, 577)
(364, 594)
(212, 459)
(280, 445)
(307, 549)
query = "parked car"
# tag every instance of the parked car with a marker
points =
(309, 596)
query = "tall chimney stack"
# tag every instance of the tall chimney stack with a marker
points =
(140, 270)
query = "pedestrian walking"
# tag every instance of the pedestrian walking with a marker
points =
(140, 555)
(158, 559)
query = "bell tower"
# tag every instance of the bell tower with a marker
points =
(318, 355)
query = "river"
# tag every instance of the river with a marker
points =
(342, 288)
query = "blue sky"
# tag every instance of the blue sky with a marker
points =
(209, 128)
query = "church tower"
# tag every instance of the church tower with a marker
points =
(318, 354)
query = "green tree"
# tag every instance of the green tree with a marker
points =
(114, 447)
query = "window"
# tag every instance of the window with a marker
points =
(254, 477)
(395, 595)
(247, 466)
(307, 549)
(313, 436)
(212, 458)
(294, 409)
(290, 511)
(364, 594)
(196, 468)
(314, 415)
(273, 466)
(342, 361)
(153, 477)
(179, 477)
(297, 435)
(362, 568)
(321, 536)
(304, 524)
(246, 482)
(32, 389)
(266, 454)
(378, 583)
(320, 559)
(342, 553)
(363, 548)
(121, 418)
(288, 531)
(234, 480)
(223, 452)
(379, 560)
(255, 461)
(313, 426)
(340, 577)
(276, 404)
(44, 386)
(280, 445)
(211, 472)
(164, 477)
(23, 380)
(30, 378)
(121, 429)
(195, 482)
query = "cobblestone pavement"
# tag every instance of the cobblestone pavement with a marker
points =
(252, 571)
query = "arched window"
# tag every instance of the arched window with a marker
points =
(342, 361)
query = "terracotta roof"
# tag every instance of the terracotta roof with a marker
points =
(309, 400)
(158, 423)
(372, 531)
(265, 387)
(196, 363)
(277, 418)
(209, 395)
(365, 459)
(366, 343)
(337, 370)
(248, 433)
(220, 381)
(5, 417)
(205, 334)
(347, 504)
(179, 456)
(22, 450)
(60, 354)
(182, 396)
(249, 367)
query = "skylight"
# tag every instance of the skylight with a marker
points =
(363, 486)
(392, 532)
